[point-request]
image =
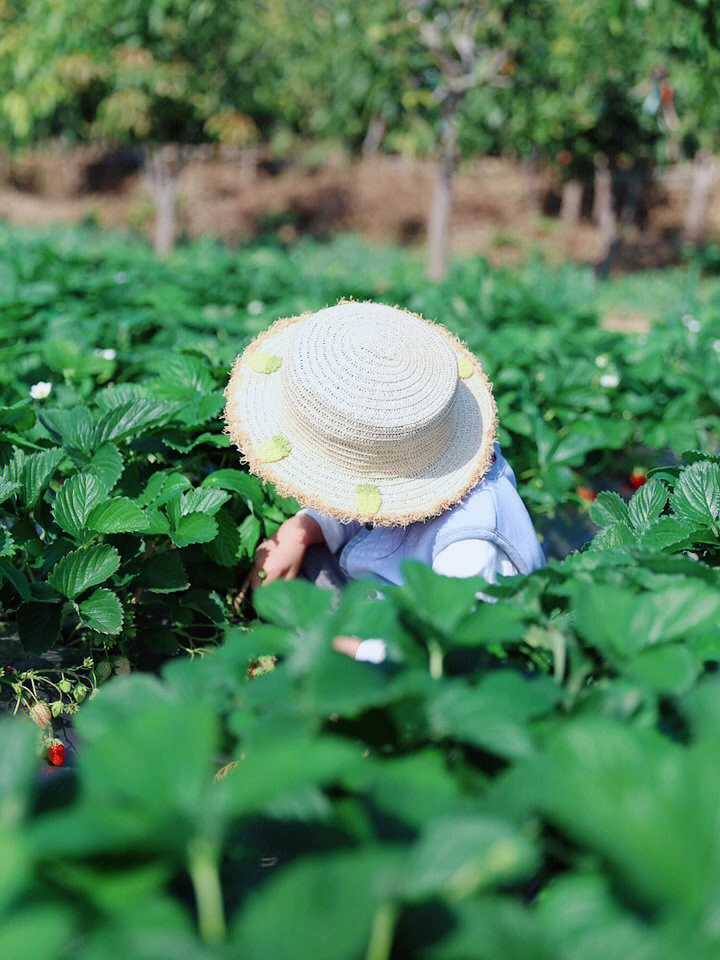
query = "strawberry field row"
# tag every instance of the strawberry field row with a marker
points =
(531, 778)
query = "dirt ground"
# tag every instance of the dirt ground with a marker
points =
(502, 209)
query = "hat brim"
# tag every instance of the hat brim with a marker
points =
(253, 416)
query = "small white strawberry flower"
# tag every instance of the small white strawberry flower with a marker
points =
(691, 323)
(602, 360)
(40, 390)
(609, 380)
(109, 354)
(716, 346)
(255, 307)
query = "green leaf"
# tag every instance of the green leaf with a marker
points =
(163, 573)
(37, 471)
(195, 411)
(694, 456)
(18, 416)
(636, 800)
(83, 568)
(170, 791)
(607, 508)
(620, 623)
(249, 487)
(182, 373)
(344, 885)
(203, 501)
(493, 714)
(118, 515)
(131, 418)
(194, 528)
(72, 428)
(697, 494)
(225, 548)
(208, 603)
(16, 578)
(7, 488)
(45, 926)
(39, 626)
(7, 544)
(459, 855)
(102, 611)
(436, 601)
(666, 532)
(75, 500)
(647, 504)
(292, 603)
(157, 523)
(161, 486)
(669, 668)
(107, 465)
(250, 535)
(618, 536)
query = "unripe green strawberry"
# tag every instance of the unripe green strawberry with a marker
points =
(40, 713)
(103, 671)
(80, 692)
(57, 707)
(65, 685)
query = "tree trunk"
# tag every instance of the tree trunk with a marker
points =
(162, 171)
(377, 128)
(571, 203)
(438, 234)
(604, 214)
(704, 176)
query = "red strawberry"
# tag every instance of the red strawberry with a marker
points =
(637, 478)
(585, 493)
(56, 753)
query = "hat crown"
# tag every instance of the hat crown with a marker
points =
(373, 379)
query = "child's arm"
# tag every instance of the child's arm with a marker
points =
(282, 555)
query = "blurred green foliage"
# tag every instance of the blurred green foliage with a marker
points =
(567, 79)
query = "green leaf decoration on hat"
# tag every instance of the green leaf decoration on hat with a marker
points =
(465, 368)
(273, 449)
(368, 498)
(264, 362)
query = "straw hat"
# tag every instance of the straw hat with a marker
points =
(363, 411)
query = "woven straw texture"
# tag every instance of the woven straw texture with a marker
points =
(363, 411)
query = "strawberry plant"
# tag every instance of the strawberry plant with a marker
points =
(532, 777)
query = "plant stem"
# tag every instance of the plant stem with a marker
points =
(382, 932)
(436, 659)
(203, 869)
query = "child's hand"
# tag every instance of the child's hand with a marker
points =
(282, 555)
(347, 645)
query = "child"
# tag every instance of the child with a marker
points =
(383, 425)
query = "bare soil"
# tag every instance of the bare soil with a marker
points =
(502, 209)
